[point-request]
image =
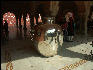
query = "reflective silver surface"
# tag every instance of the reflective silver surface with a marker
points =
(50, 39)
(47, 38)
(54, 35)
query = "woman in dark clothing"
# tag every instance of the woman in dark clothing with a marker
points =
(6, 26)
(6, 29)
(64, 27)
(70, 29)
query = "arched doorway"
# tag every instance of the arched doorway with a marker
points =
(11, 20)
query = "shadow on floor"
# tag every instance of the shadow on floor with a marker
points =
(21, 49)
(18, 49)
(63, 51)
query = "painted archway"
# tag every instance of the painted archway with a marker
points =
(11, 20)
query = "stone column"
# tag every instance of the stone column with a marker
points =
(17, 21)
(20, 22)
(24, 21)
(87, 6)
(80, 22)
(54, 7)
(30, 20)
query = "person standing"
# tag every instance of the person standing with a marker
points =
(6, 30)
(70, 29)
(64, 28)
(70, 26)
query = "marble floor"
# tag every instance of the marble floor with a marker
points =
(24, 57)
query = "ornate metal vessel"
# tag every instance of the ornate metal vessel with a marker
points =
(47, 38)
